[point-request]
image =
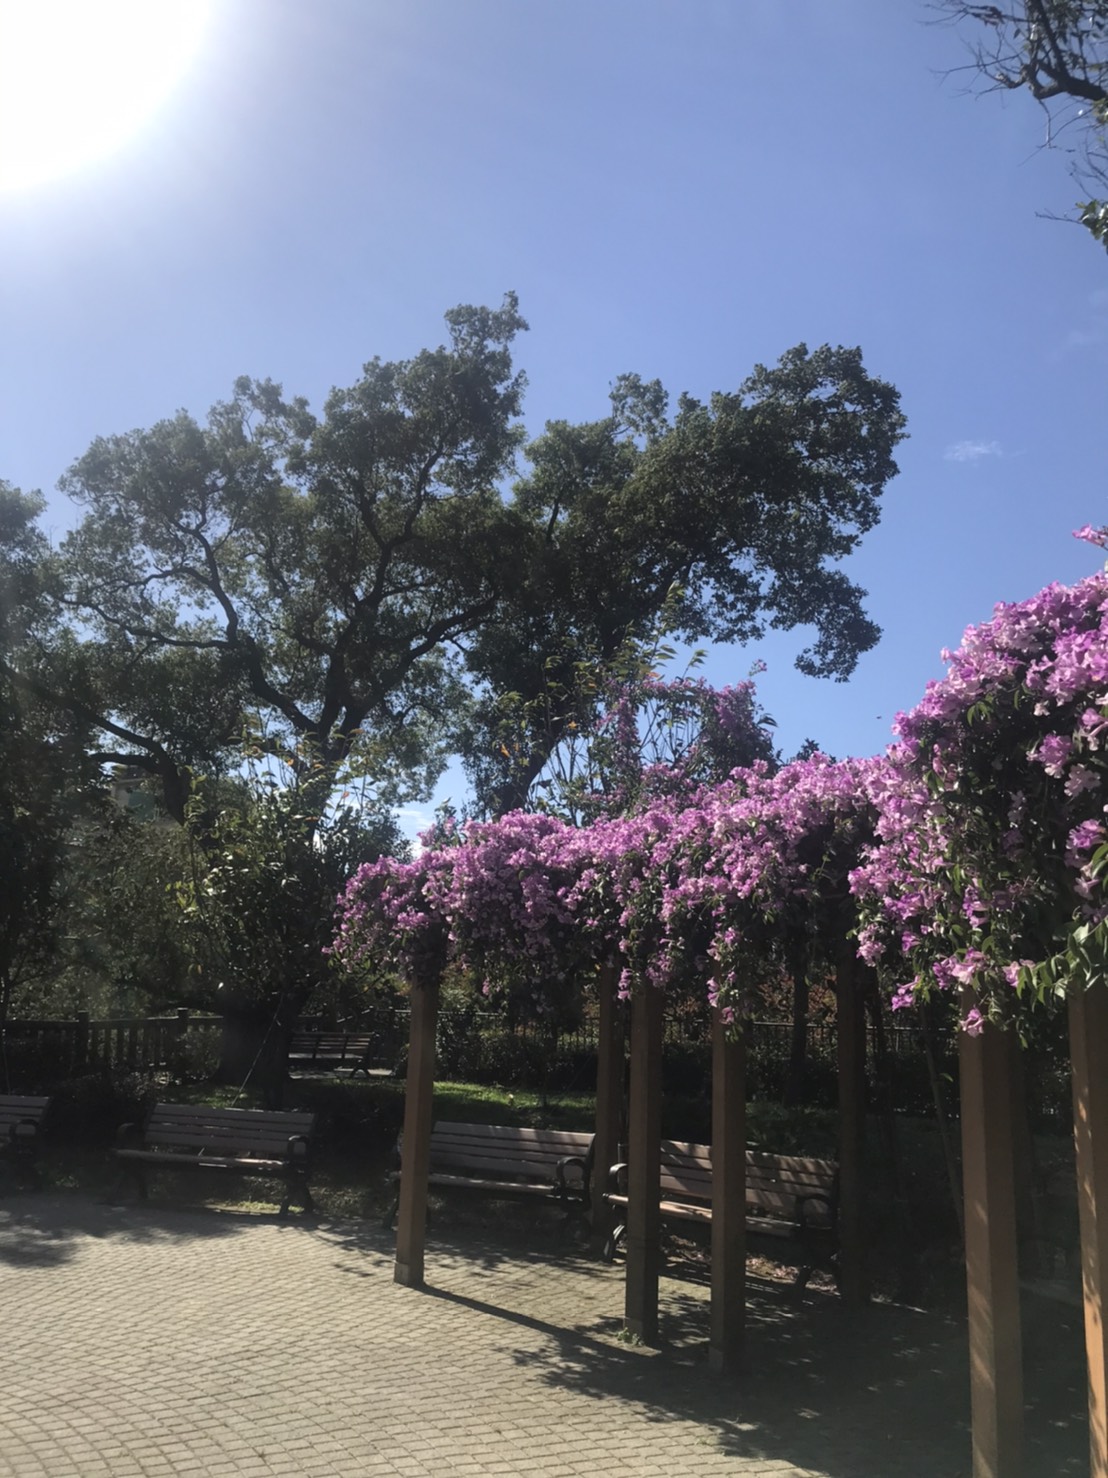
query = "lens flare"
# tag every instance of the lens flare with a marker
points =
(78, 78)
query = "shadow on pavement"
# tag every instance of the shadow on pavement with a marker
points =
(43, 1229)
(880, 1392)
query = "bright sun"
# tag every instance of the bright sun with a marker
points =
(80, 77)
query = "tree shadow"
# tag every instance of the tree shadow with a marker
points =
(877, 1392)
(48, 1229)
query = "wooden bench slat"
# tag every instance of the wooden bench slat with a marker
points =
(276, 1144)
(203, 1161)
(507, 1187)
(237, 1118)
(529, 1163)
(444, 1132)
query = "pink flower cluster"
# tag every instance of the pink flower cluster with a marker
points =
(992, 828)
(961, 858)
(699, 891)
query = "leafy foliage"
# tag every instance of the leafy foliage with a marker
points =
(366, 585)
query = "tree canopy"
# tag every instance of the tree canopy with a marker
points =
(362, 587)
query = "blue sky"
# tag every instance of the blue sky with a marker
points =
(682, 190)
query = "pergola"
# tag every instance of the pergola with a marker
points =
(992, 1272)
(728, 1264)
(988, 842)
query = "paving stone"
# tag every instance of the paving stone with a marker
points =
(164, 1343)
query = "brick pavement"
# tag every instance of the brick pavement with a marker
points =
(162, 1341)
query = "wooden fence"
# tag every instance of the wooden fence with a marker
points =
(117, 1044)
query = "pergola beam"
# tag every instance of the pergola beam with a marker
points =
(851, 1052)
(992, 1272)
(644, 1135)
(728, 1316)
(1088, 1012)
(609, 1100)
(411, 1224)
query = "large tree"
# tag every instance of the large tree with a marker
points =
(1056, 51)
(46, 782)
(730, 515)
(339, 587)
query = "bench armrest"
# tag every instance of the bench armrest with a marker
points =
(128, 1136)
(299, 1148)
(23, 1132)
(826, 1202)
(617, 1178)
(580, 1182)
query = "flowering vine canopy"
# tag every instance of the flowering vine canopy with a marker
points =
(972, 853)
(990, 869)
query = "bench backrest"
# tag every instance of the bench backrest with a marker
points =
(330, 1044)
(503, 1152)
(18, 1110)
(262, 1132)
(774, 1183)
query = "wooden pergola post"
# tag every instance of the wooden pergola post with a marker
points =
(850, 1036)
(609, 1099)
(728, 1318)
(1088, 1012)
(644, 1136)
(411, 1224)
(992, 1273)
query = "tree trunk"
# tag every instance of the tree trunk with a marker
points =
(253, 1052)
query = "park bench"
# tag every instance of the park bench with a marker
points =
(251, 1142)
(791, 1203)
(20, 1130)
(502, 1161)
(332, 1050)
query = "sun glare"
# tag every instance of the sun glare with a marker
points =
(78, 78)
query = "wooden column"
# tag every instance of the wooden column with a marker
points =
(609, 1099)
(411, 1224)
(1089, 1051)
(728, 1324)
(992, 1274)
(850, 1019)
(644, 1134)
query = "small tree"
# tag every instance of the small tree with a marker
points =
(259, 906)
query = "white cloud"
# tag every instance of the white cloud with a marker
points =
(414, 820)
(972, 451)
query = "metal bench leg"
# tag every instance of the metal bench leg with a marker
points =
(297, 1185)
(615, 1237)
(29, 1171)
(388, 1221)
(136, 1173)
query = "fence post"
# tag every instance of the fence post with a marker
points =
(81, 1043)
